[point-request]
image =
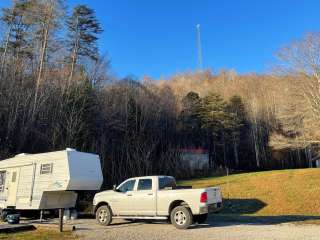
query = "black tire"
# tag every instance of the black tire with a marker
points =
(104, 215)
(181, 217)
(202, 218)
(3, 215)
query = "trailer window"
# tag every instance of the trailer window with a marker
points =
(46, 168)
(2, 180)
(145, 184)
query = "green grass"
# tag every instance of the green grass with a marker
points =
(39, 235)
(271, 193)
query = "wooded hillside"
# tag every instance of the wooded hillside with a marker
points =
(56, 92)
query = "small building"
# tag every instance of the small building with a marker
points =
(47, 180)
(315, 162)
(195, 158)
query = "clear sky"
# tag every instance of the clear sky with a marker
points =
(158, 37)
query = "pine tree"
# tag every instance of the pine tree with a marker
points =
(46, 16)
(16, 42)
(83, 29)
(213, 114)
(238, 127)
(216, 120)
(190, 125)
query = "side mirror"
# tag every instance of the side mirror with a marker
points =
(114, 187)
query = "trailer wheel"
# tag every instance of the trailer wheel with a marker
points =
(181, 217)
(3, 214)
(104, 215)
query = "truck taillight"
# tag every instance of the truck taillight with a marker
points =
(204, 197)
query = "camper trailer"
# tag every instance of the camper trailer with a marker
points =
(47, 180)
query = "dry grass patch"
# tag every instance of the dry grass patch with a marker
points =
(39, 235)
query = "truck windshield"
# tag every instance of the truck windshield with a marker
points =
(167, 183)
(127, 186)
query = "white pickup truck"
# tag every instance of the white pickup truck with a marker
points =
(156, 197)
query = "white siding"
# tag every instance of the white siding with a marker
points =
(85, 171)
(57, 180)
(196, 161)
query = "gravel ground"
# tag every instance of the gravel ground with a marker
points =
(122, 230)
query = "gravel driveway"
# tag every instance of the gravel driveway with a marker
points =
(122, 230)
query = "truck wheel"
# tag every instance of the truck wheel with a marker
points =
(104, 215)
(200, 218)
(181, 217)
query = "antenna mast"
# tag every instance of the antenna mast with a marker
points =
(199, 47)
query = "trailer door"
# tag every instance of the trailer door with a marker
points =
(12, 186)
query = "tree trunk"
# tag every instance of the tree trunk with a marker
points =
(5, 50)
(235, 150)
(255, 142)
(41, 67)
(74, 56)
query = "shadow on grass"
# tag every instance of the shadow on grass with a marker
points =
(242, 206)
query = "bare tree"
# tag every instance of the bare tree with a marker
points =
(299, 118)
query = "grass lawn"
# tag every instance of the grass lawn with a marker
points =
(39, 235)
(271, 193)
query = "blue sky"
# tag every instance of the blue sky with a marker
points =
(158, 37)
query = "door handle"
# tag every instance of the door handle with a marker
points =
(150, 194)
(129, 194)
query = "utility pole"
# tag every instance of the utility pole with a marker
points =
(199, 47)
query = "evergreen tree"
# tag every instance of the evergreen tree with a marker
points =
(83, 29)
(190, 125)
(238, 130)
(217, 121)
(16, 41)
(213, 114)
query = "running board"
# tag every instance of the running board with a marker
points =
(141, 217)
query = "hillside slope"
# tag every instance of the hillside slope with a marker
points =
(270, 193)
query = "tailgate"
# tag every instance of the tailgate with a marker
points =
(214, 195)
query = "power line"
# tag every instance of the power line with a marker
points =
(199, 47)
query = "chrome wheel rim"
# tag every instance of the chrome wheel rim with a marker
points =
(180, 218)
(103, 216)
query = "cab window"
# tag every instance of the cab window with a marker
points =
(144, 184)
(167, 183)
(127, 186)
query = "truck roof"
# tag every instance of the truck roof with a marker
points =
(154, 176)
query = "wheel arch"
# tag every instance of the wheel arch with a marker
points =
(102, 203)
(177, 203)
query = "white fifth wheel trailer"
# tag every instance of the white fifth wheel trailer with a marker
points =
(47, 180)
